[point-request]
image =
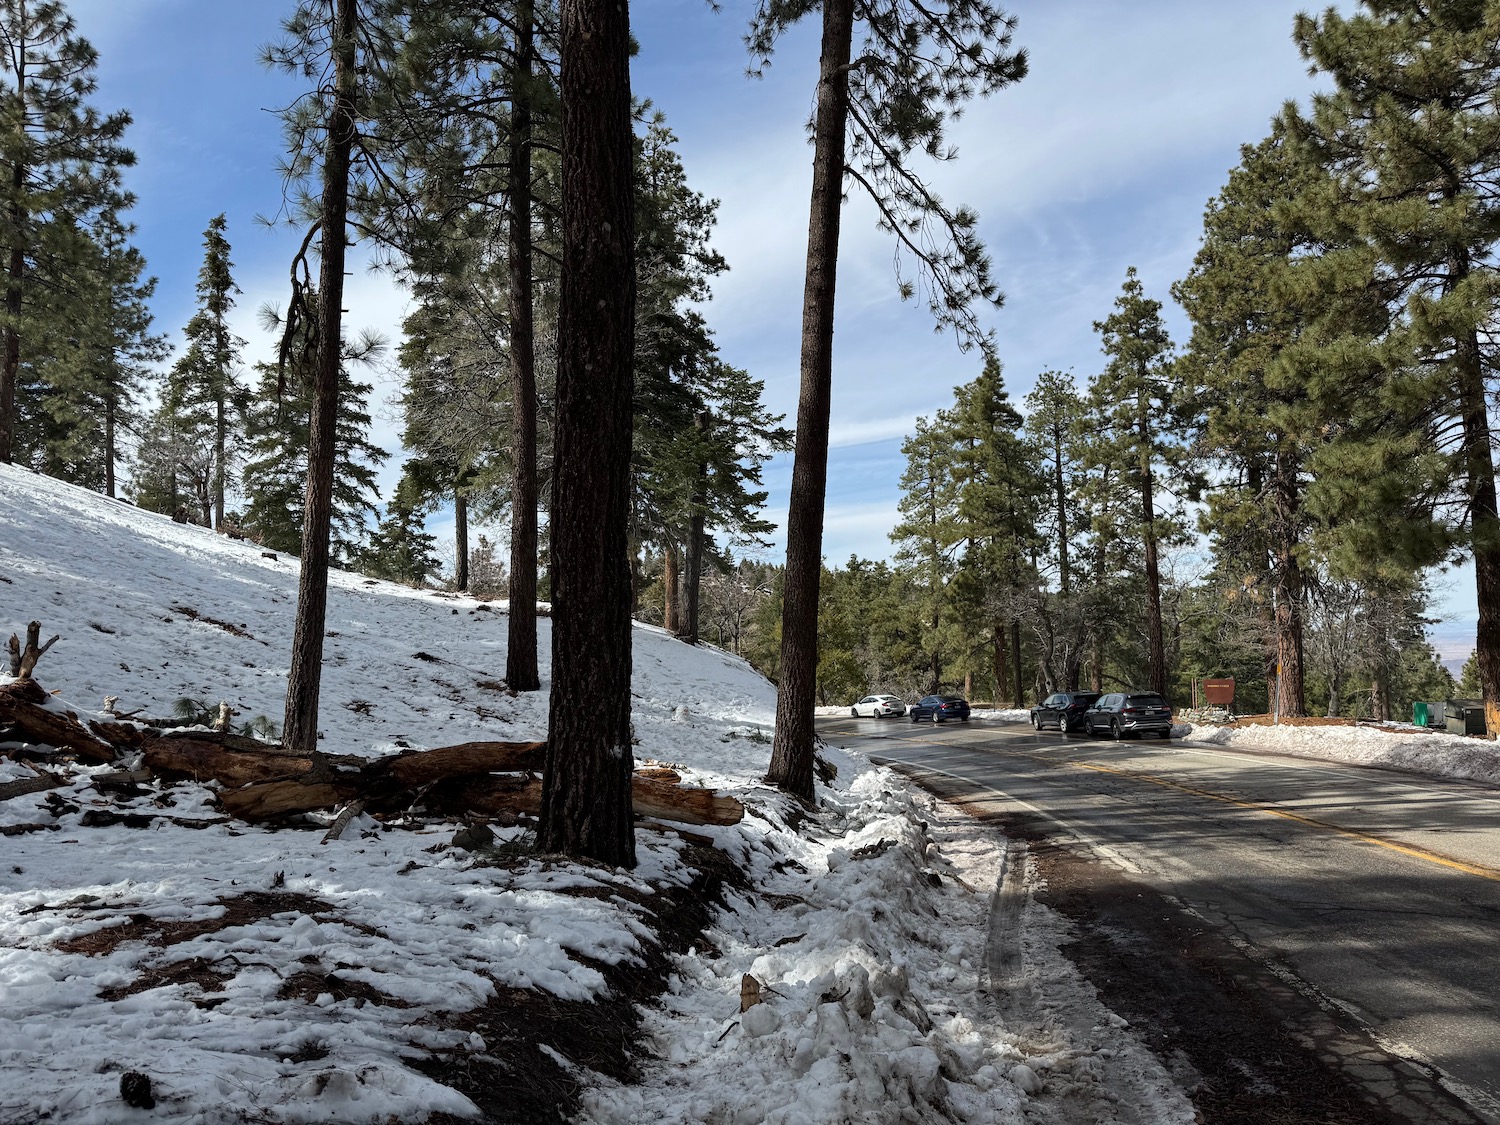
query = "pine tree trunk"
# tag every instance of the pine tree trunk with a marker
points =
(1060, 488)
(1480, 474)
(1156, 653)
(1290, 680)
(460, 540)
(693, 578)
(792, 754)
(1015, 660)
(586, 799)
(999, 659)
(671, 618)
(521, 647)
(14, 280)
(221, 451)
(304, 679)
(109, 445)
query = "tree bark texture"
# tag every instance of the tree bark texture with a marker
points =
(1290, 680)
(1156, 652)
(521, 672)
(586, 809)
(1485, 515)
(671, 618)
(460, 538)
(304, 679)
(792, 753)
(1015, 663)
(14, 280)
(697, 533)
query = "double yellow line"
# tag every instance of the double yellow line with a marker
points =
(1404, 849)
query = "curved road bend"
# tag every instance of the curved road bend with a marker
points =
(1373, 894)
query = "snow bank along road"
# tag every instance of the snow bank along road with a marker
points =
(1361, 907)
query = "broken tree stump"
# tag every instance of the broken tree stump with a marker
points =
(23, 710)
(23, 661)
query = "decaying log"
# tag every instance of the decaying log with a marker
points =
(667, 801)
(427, 766)
(271, 800)
(260, 782)
(341, 822)
(25, 785)
(23, 661)
(508, 797)
(487, 793)
(22, 710)
(201, 759)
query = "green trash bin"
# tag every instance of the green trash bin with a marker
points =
(1419, 714)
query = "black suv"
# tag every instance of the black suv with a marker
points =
(1063, 710)
(1127, 713)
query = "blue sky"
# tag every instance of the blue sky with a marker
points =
(1101, 159)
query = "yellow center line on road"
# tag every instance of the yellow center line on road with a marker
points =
(1353, 834)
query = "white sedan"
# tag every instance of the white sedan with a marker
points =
(879, 706)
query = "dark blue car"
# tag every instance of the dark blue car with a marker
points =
(938, 708)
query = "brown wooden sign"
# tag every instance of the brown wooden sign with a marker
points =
(1219, 692)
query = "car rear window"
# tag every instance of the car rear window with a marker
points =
(1145, 701)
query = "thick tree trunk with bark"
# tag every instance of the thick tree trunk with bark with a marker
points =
(109, 445)
(304, 680)
(586, 810)
(221, 447)
(792, 753)
(460, 538)
(1156, 652)
(1290, 679)
(1015, 662)
(693, 578)
(521, 672)
(1000, 659)
(14, 280)
(671, 617)
(1485, 516)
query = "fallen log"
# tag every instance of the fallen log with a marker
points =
(202, 759)
(423, 767)
(488, 794)
(272, 800)
(261, 782)
(22, 710)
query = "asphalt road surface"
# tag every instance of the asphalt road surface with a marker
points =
(1312, 941)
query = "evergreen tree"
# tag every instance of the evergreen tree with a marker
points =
(322, 38)
(702, 435)
(1055, 420)
(1411, 136)
(930, 533)
(1468, 684)
(279, 437)
(1251, 404)
(400, 549)
(918, 65)
(1000, 490)
(474, 101)
(82, 381)
(1132, 403)
(203, 390)
(59, 163)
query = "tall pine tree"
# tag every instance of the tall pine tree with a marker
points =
(918, 65)
(59, 164)
(1411, 136)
